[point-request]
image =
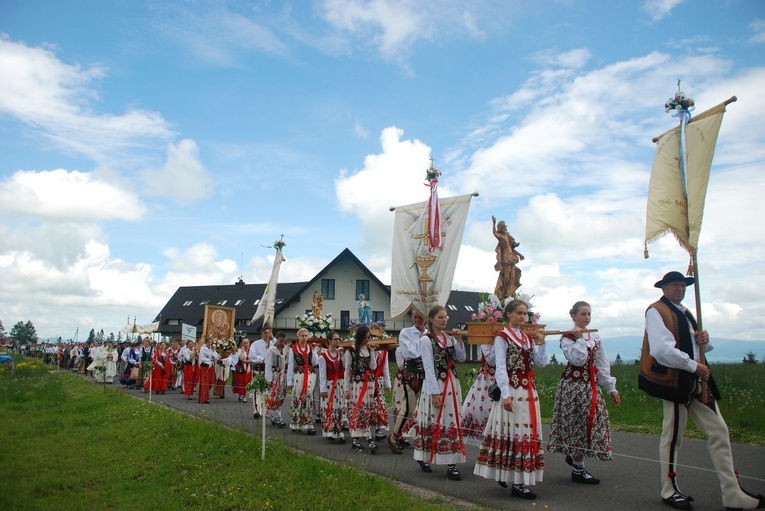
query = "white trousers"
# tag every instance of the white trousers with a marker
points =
(712, 424)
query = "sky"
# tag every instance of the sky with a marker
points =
(147, 145)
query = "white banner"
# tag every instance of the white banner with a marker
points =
(420, 278)
(266, 305)
(188, 333)
(667, 209)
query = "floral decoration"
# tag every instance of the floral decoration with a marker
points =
(679, 102)
(317, 326)
(432, 173)
(223, 344)
(489, 310)
(258, 384)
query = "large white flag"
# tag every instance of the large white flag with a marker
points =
(266, 305)
(668, 208)
(420, 278)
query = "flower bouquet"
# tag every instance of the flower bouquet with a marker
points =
(318, 327)
(487, 322)
(224, 345)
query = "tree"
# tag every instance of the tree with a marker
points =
(750, 358)
(24, 333)
(553, 360)
(91, 336)
(3, 333)
(618, 360)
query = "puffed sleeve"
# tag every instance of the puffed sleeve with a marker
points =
(290, 368)
(539, 354)
(604, 370)
(575, 351)
(347, 370)
(426, 352)
(500, 373)
(322, 374)
(459, 350)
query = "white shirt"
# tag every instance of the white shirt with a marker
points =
(409, 342)
(207, 355)
(575, 352)
(661, 342)
(258, 351)
(275, 362)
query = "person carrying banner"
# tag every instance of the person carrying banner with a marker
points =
(670, 370)
(412, 376)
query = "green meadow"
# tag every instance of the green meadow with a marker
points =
(71, 445)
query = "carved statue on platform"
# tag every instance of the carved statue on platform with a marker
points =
(317, 304)
(509, 279)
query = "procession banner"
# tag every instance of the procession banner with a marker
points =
(267, 303)
(667, 210)
(421, 278)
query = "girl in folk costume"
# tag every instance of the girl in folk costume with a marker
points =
(399, 400)
(242, 371)
(188, 358)
(300, 373)
(475, 410)
(222, 371)
(331, 376)
(511, 450)
(437, 433)
(276, 377)
(160, 369)
(173, 352)
(382, 385)
(208, 359)
(359, 387)
(580, 425)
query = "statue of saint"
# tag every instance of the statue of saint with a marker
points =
(365, 311)
(509, 279)
(317, 304)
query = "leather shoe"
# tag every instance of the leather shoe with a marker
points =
(584, 478)
(678, 501)
(453, 474)
(393, 444)
(522, 491)
(569, 460)
(425, 466)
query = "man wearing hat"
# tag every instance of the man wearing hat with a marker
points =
(670, 370)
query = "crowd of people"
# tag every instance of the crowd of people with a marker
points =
(342, 392)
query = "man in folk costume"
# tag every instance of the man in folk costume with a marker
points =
(412, 377)
(258, 362)
(276, 377)
(670, 369)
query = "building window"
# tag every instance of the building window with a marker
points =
(452, 307)
(173, 321)
(239, 302)
(222, 302)
(205, 302)
(469, 308)
(328, 289)
(362, 288)
(378, 316)
(345, 319)
(256, 301)
(187, 303)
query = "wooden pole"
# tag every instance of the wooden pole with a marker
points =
(701, 347)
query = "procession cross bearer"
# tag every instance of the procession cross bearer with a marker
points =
(672, 366)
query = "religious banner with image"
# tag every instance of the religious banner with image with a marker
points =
(421, 278)
(218, 322)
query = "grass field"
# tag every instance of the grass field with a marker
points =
(69, 445)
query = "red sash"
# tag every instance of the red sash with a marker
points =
(437, 430)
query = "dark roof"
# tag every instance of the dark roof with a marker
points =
(248, 294)
(461, 305)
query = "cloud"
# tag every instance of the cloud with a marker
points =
(758, 27)
(183, 177)
(659, 9)
(64, 196)
(54, 100)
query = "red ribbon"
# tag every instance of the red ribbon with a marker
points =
(434, 218)
(593, 401)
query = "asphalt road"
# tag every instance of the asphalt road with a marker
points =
(630, 482)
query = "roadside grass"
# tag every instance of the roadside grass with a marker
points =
(742, 404)
(68, 445)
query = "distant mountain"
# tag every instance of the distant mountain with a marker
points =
(628, 347)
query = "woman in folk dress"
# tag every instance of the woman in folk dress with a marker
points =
(437, 433)
(360, 364)
(475, 410)
(331, 377)
(580, 427)
(242, 371)
(276, 377)
(511, 450)
(300, 373)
